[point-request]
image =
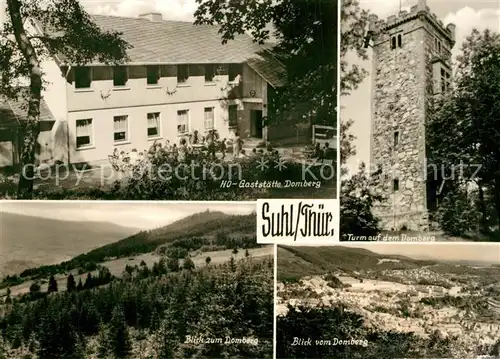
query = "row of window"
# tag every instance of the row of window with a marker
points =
(439, 48)
(85, 130)
(84, 74)
(396, 40)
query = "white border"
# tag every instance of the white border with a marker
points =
(275, 295)
(339, 35)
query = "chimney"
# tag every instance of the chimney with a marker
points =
(152, 16)
(422, 5)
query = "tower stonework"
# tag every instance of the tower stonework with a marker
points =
(411, 65)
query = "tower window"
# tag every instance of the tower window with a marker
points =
(396, 185)
(445, 80)
(396, 138)
(393, 43)
(400, 42)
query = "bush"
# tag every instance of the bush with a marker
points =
(162, 175)
(357, 199)
(456, 214)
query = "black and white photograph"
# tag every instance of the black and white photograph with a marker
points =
(389, 300)
(168, 100)
(419, 103)
(134, 280)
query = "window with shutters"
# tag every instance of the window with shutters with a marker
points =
(182, 122)
(153, 125)
(209, 118)
(120, 125)
(84, 133)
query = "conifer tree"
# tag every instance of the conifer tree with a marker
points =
(89, 282)
(70, 283)
(79, 287)
(52, 285)
(117, 338)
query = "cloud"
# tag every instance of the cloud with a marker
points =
(182, 10)
(385, 8)
(466, 19)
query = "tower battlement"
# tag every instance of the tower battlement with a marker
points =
(422, 11)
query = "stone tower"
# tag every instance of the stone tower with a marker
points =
(411, 65)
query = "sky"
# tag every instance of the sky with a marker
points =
(465, 14)
(182, 10)
(170, 9)
(129, 214)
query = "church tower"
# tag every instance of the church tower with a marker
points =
(411, 65)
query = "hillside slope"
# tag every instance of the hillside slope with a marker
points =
(298, 262)
(204, 231)
(27, 241)
(205, 225)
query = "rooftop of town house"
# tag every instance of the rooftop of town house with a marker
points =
(13, 113)
(155, 40)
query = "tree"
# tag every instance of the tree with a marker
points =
(208, 260)
(354, 21)
(70, 283)
(79, 287)
(52, 285)
(309, 55)
(462, 133)
(356, 202)
(173, 264)
(68, 31)
(89, 282)
(188, 264)
(115, 338)
(232, 264)
(35, 288)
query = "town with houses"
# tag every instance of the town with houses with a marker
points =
(457, 301)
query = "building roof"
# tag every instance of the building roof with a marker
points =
(269, 68)
(177, 42)
(13, 113)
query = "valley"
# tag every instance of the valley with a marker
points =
(143, 295)
(456, 305)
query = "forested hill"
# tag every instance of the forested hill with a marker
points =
(206, 231)
(191, 233)
(298, 262)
